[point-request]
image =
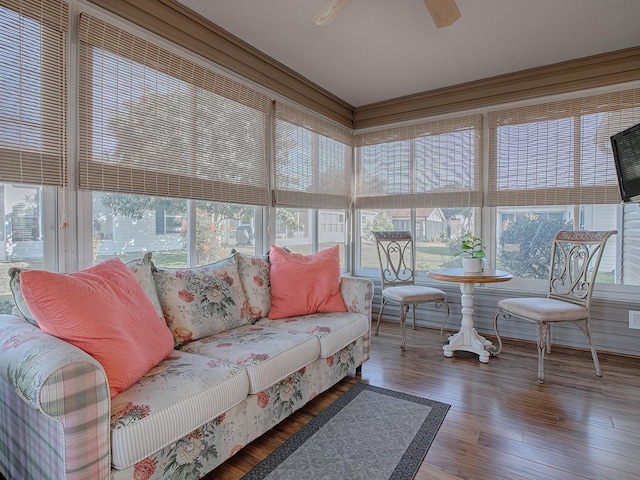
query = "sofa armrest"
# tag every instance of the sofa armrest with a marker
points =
(58, 389)
(357, 293)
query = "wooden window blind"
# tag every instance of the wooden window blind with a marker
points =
(558, 153)
(430, 164)
(33, 92)
(313, 161)
(156, 123)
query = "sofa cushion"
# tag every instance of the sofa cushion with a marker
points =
(103, 311)
(302, 284)
(170, 401)
(334, 331)
(268, 354)
(201, 301)
(18, 297)
(142, 269)
(254, 274)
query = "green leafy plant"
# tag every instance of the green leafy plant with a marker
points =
(471, 247)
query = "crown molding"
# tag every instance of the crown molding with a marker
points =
(589, 72)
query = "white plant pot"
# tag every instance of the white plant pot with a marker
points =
(472, 265)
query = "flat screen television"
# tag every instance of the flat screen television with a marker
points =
(626, 155)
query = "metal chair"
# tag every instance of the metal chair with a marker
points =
(575, 258)
(397, 270)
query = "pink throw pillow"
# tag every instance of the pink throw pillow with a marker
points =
(305, 284)
(103, 311)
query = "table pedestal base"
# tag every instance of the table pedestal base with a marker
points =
(467, 339)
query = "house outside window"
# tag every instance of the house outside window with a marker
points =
(333, 231)
(168, 224)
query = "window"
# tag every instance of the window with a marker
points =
(307, 231)
(294, 229)
(33, 132)
(127, 226)
(33, 94)
(167, 223)
(426, 178)
(102, 223)
(525, 235)
(542, 159)
(156, 123)
(313, 171)
(179, 151)
(160, 225)
(21, 233)
(436, 233)
(332, 228)
(331, 223)
(221, 227)
(313, 165)
(432, 164)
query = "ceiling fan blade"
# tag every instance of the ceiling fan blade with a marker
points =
(443, 12)
(329, 11)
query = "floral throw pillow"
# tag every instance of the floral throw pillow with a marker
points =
(142, 269)
(201, 301)
(254, 274)
(18, 298)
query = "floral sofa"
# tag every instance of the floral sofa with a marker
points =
(232, 374)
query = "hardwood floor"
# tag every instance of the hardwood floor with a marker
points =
(502, 424)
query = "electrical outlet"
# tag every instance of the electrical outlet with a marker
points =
(634, 319)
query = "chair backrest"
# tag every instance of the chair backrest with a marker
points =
(575, 259)
(397, 257)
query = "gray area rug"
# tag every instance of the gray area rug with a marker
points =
(369, 433)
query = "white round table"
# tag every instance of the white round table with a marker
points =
(467, 339)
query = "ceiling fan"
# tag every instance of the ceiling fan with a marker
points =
(443, 12)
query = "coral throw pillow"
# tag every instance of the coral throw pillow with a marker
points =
(104, 311)
(303, 284)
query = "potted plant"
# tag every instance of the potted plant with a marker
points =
(472, 248)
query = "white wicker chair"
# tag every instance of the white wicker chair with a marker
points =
(575, 258)
(397, 270)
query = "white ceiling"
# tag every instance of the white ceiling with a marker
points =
(376, 50)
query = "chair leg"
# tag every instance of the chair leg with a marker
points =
(594, 353)
(403, 322)
(382, 304)
(548, 339)
(506, 316)
(543, 334)
(414, 316)
(438, 305)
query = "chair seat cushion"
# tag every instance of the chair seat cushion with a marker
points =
(543, 309)
(412, 294)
